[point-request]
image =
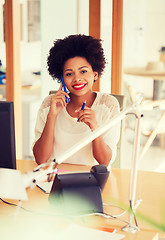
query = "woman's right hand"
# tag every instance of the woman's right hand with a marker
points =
(58, 101)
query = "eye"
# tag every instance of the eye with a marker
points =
(83, 71)
(68, 74)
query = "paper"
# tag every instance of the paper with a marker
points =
(45, 186)
(75, 232)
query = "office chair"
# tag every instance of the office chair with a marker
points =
(153, 121)
(118, 160)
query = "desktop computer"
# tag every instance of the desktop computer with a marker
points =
(7, 135)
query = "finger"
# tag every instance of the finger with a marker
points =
(67, 97)
(82, 117)
(90, 122)
(63, 98)
(85, 119)
(61, 92)
(78, 110)
(59, 103)
(58, 98)
(60, 88)
(87, 110)
(86, 113)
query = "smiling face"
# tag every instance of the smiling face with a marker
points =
(78, 75)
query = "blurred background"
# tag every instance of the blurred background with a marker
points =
(143, 39)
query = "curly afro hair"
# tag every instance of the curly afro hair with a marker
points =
(72, 46)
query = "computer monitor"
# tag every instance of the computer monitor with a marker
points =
(7, 135)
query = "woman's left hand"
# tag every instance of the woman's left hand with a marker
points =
(88, 116)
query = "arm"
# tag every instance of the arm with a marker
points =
(43, 147)
(101, 151)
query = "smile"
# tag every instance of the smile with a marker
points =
(79, 86)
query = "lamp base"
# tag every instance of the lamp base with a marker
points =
(130, 228)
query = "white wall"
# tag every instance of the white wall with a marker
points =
(154, 33)
(143, 35)
(83, 17)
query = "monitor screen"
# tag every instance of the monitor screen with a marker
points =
(7, 135)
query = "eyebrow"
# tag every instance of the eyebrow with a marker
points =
(69, 69)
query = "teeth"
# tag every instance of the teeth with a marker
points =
(78, 86)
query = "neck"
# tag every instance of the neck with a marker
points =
(77, 101)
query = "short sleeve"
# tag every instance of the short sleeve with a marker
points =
(41, 118)
(108, 107)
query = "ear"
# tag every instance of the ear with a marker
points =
(95, 76)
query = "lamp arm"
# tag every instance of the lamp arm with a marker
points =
(92, 135)
(100, 130)
(40, 174)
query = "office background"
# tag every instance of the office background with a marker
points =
(44, 21)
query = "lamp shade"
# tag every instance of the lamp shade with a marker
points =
(11, 184)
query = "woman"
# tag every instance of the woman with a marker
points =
(78, 60)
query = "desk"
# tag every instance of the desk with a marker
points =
(117, 187)
(158, 79)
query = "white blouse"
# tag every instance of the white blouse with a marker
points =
(68, 131)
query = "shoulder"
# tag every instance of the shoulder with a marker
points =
(108, 100)
(46, 102)
(44, 108)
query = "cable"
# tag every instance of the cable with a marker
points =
(12, 204)
(33, 212)
(131, 113)
(119, 215)
(105, 215)
(15, 205)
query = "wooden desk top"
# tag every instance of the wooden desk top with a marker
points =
(150, 186)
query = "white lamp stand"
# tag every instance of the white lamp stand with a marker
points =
(133, 180)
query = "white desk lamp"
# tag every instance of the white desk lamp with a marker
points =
(41, 172)
(11, 184)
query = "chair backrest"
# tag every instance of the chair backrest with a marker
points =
(52, 92)
(117, 162)
(121, 100)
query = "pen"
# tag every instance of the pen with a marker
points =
(83, 106)
(65, 90)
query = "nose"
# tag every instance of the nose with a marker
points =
(77, 77)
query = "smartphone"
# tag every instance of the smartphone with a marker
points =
(65, 89)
